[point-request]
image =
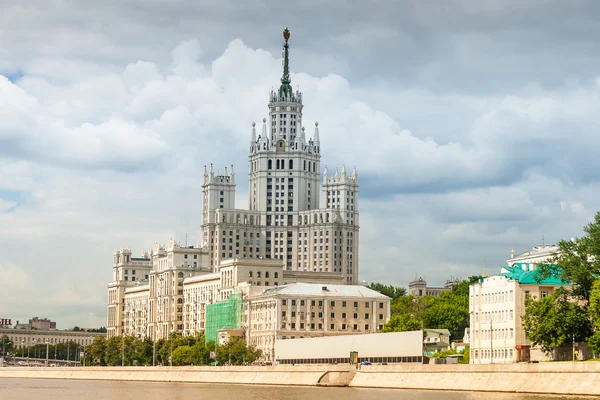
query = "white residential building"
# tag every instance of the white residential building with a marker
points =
(496, 307)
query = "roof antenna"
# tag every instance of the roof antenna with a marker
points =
(543, 243)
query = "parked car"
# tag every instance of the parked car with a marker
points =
(366, 363)
(23, 363)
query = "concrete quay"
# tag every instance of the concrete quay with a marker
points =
(544, 378)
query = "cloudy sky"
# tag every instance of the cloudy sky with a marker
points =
(473, 126)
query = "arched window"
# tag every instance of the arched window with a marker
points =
(291, 164)
(250, 274)
(276, 274)
(314, 166)
(282, 164)
(267, 274)
(180, 275)
(258, 274)
(270, 164)
(179, 301)
(305, 165)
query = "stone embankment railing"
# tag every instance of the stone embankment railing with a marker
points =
(548, 378)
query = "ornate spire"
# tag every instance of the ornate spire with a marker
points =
(253, 132)
(264, 128)
(286, 89)
(316, 136)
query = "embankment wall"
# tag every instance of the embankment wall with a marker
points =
(547, 378)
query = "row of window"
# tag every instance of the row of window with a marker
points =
(313, 314)
(313, 326)
(332, 303)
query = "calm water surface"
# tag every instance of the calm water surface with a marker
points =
(22, 389)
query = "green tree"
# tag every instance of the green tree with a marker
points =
(182, 355)
(594, 312)
(113, 350)
(393, 292)
(6, 345)
(96, 352)
(449, 311)
(403, 323)
(577, 262)
(553, 321)
(237, 352)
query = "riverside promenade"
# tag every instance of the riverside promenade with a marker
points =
(545, 378)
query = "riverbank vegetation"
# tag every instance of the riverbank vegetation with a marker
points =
(175, 350)
(450, 310)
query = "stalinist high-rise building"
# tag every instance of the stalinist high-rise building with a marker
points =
(292, 215)
(299, 228)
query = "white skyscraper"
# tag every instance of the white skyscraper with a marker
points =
(286, 219)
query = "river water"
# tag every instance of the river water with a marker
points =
(23, 389)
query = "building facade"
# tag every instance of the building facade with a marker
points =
(496, 308)
(305, 310)
(291, 216)
(30, 337)
(42, 323)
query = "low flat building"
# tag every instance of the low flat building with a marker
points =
(394, 347)
(30, 337)
(436, 340)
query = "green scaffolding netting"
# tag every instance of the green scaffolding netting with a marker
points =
(223, 315)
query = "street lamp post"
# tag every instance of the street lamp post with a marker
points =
(123, 351)
(47, 348)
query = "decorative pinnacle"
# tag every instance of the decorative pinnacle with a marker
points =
(286, 34)
(285, 79)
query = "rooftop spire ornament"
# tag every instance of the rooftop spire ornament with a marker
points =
(286, 89)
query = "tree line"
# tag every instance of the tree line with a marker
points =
(450, 310)
(572, 313)
(175, 350)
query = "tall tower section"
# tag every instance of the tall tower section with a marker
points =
(218, 193)
(340, 193)
(284, 166)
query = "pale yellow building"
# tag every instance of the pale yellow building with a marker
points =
(30, 337)
(496, 307)
(303, 310)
